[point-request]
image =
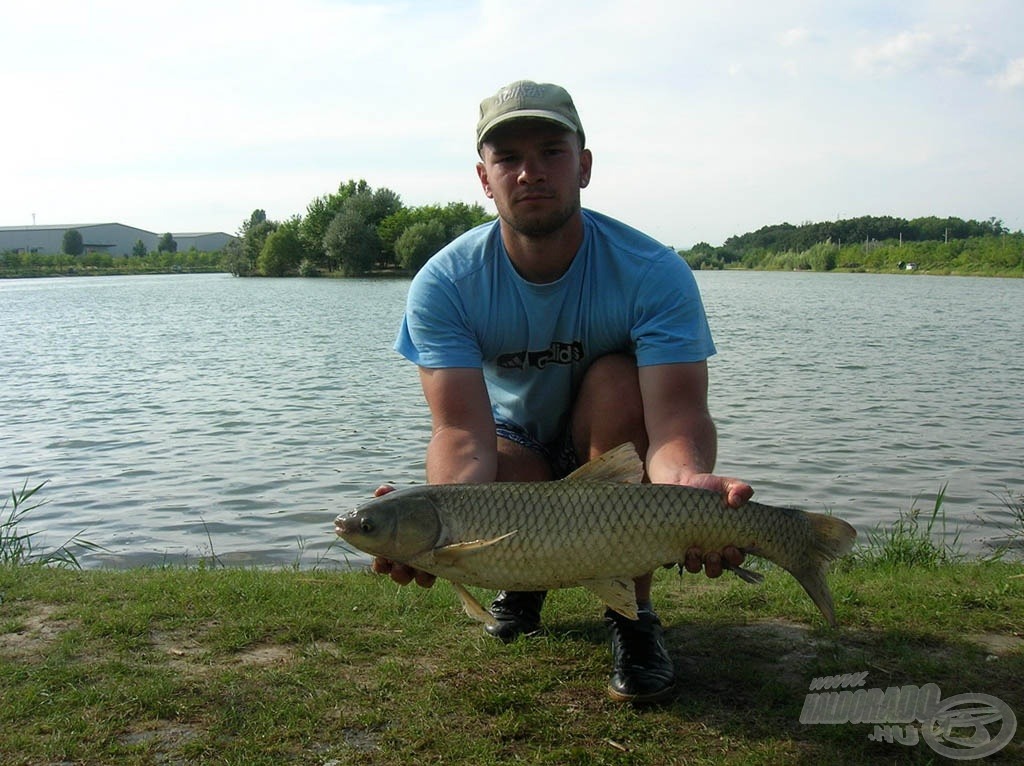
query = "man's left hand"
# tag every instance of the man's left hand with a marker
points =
(735, 493)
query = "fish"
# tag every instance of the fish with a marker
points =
(598, 528)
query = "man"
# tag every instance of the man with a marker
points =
(553, 335)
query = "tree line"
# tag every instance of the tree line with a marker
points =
(871, 243)
(356, 230)
(359, 230)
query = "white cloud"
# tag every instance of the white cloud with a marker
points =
(924, 51)
(1012, 75)
(907, 50)
(795, 36)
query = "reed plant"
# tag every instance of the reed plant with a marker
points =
(18, 547)
(915, 538)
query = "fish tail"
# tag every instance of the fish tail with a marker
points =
(830, 539)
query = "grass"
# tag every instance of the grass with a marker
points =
(911, 539)
(183, 665)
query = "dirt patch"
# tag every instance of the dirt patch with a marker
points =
(263, 655)
(997, 644)
(164, 738)
(35, 632)
(189, 656)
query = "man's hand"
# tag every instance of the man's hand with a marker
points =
(713, 563)
(400, 573)
(735, 493)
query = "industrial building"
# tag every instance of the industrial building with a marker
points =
(112, 238)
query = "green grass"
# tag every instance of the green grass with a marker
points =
(242, 666)
(183, 665)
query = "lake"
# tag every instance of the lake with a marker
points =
(184, 416)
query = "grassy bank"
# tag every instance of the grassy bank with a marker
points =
(233, 666)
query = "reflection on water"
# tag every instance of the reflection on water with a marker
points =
(189, 415)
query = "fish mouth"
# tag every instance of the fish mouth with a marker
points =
(346, 524)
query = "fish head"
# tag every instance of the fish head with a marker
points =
(398, 526)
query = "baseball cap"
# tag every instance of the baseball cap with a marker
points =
(525, 99)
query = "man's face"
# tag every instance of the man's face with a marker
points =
(534, 170)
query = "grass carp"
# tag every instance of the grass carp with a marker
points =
(598, 528)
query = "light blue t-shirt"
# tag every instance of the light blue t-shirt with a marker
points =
(624, 292)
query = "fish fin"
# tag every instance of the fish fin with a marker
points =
(831, 538)
(755, 578)
(621, 464)
(618, 594)
(450, 554)
(473, 607)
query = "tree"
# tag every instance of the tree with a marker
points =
(167, 244)
(420, 241)
(282, 252)
(351, 242)
(455, 217)
(139, 249)
(73, 243)
(251, 237)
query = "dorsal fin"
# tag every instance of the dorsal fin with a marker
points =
(621, 464)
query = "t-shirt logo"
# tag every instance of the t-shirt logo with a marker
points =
(558, 353)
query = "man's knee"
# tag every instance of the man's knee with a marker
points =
(609, 407)
(612, 384)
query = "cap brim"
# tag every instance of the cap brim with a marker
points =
(524, 114)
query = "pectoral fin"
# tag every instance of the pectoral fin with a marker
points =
(451, 554)
(618, 594)
(473, 607)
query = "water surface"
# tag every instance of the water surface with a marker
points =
(176, 417)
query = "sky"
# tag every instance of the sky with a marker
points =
(706, 119)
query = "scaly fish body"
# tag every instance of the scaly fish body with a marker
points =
(592, 529)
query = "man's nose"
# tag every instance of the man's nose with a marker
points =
(531, 171)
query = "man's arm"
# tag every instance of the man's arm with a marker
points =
(683, 441)
(463, 445)
(683, 446)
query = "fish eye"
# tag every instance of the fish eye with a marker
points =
(366, 526)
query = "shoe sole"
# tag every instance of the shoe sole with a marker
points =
(642, 699)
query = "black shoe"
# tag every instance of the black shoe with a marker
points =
(517, 613)
(642, 671)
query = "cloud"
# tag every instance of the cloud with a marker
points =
(1012, 75)
(924, 51)
(795, 36)
(907, 50)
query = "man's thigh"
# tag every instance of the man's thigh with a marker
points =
(609, 408)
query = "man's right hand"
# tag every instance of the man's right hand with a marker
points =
(400, 573)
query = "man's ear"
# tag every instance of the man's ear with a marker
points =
(481, 172)
(586, 165)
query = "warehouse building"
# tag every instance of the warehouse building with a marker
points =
(112, 238)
